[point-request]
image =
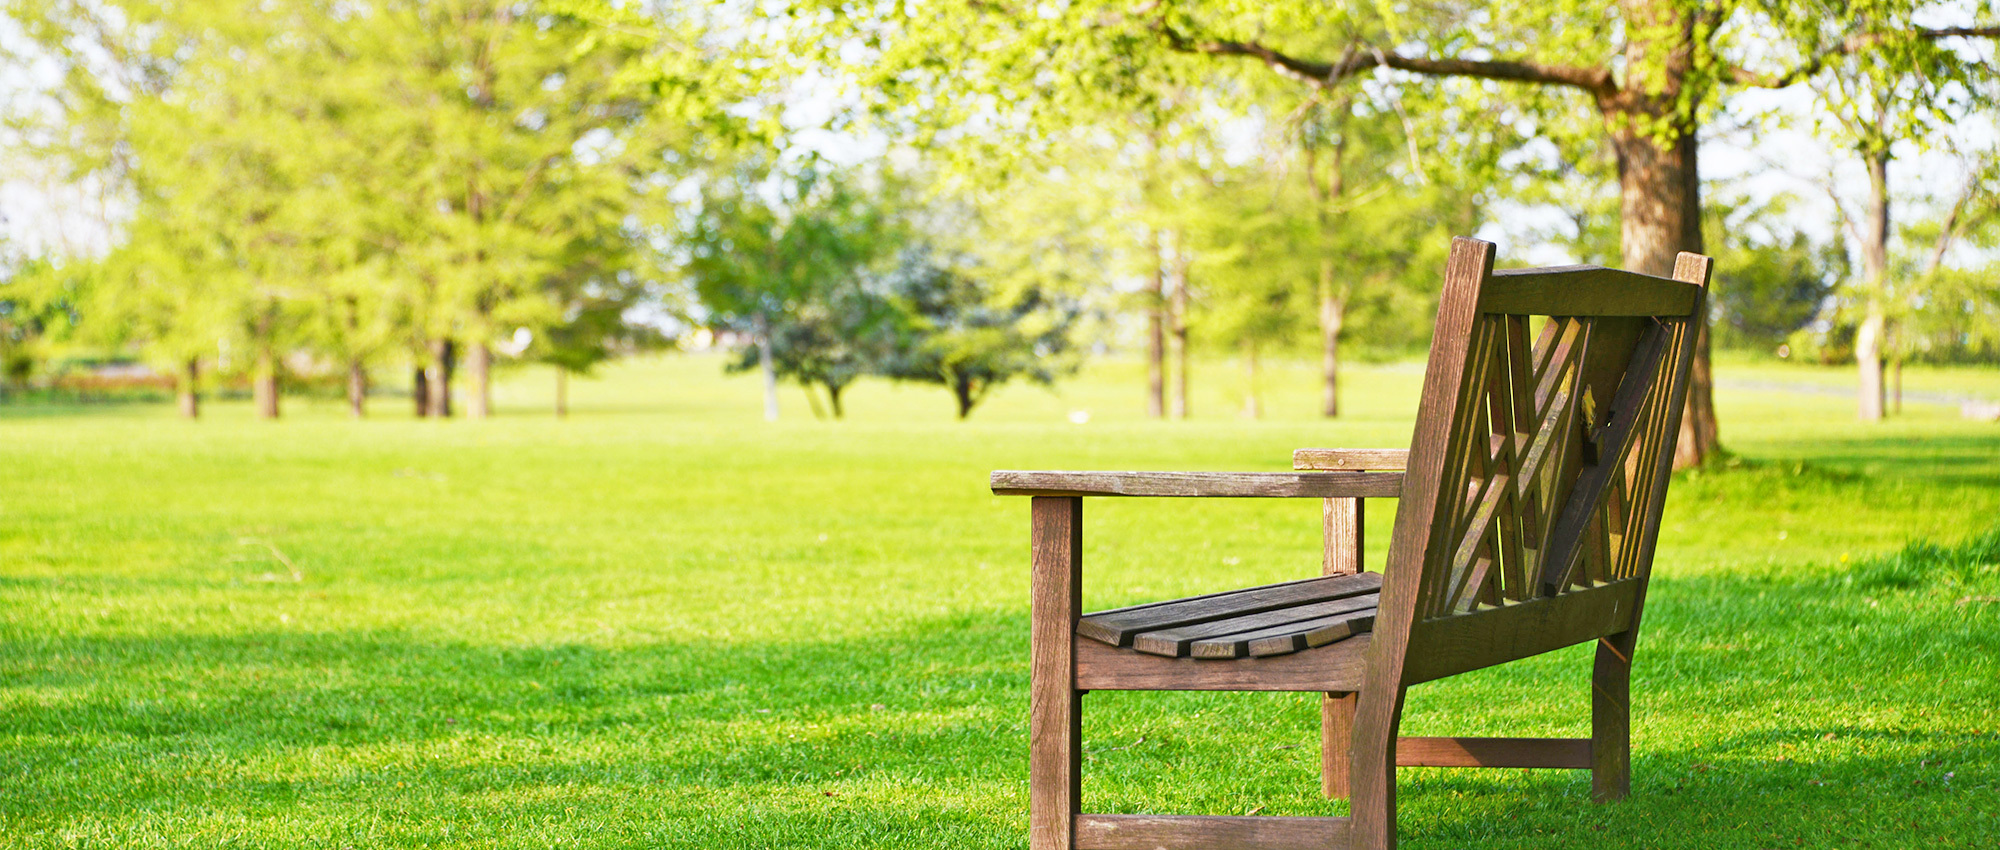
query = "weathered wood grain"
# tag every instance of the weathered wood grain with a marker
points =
(1334, 667)
(1560, 753)
(1350, 459)
(1251, 485)
(1301, 636)
(1342, 530)
(1055, 709)
(1585, 291)
(1336, 736)
(1183, 832)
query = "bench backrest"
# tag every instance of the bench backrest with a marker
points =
(1545, 435)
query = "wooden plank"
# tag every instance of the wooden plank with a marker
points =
(1189, 832)
(1336, 736)
(1459, 488)
(1334, 667)
(1318, 632)
(1557, 753)
(1553, 376)
(1055, 708)
(1351, 459)
(1144, 605)
(1585, 291)
(1519, 516)
(1342, 527)
(1120, 626)
(1174, 643)
(1447, 646)
(1611, 718)
(1323, 485)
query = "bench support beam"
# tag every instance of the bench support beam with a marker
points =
(1184, 832)
(1560, 753)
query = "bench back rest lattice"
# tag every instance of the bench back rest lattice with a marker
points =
(1538, 469)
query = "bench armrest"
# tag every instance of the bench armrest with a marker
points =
(1351, 459)
(1316, 485)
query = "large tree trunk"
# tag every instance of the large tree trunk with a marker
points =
(562, 392)
(444, 355)
(480, 362)
(188, 394)
(357, 388)
(1156, 339)
(420, 391)
(1180, 310)
(264, 384)
(1660, 214)
(1332, 311)
(1875, 273)
(767, 368)
(833, 398)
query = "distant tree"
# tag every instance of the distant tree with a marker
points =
(417, 195)
(763, 253)
(1903, 91)
(34, 309)
(973, 337)
(1952, 313)
(840, 334)
(595, 327)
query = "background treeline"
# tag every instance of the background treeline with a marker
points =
(413, 193)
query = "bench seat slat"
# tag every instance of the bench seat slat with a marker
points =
(1174, 643)
(1280, 640)
(1120, 626)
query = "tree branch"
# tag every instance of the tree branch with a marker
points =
(1360, 57)
(1849, 45)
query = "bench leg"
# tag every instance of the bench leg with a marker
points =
(1342, 556)
(1336, 735)
(1055, 709)
(1377, 715)
(1611, 719)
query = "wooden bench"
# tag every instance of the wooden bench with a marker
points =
(1528, 508)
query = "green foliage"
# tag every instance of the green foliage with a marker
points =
(1957, 317)
(1771, 280)
(764, 245)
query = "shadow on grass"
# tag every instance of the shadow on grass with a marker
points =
(1770, 714)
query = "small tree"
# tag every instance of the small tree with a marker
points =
(972, 337)
(594, 328)
(759, 252)
(839, 335)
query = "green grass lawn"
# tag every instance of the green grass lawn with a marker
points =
(666, 623)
